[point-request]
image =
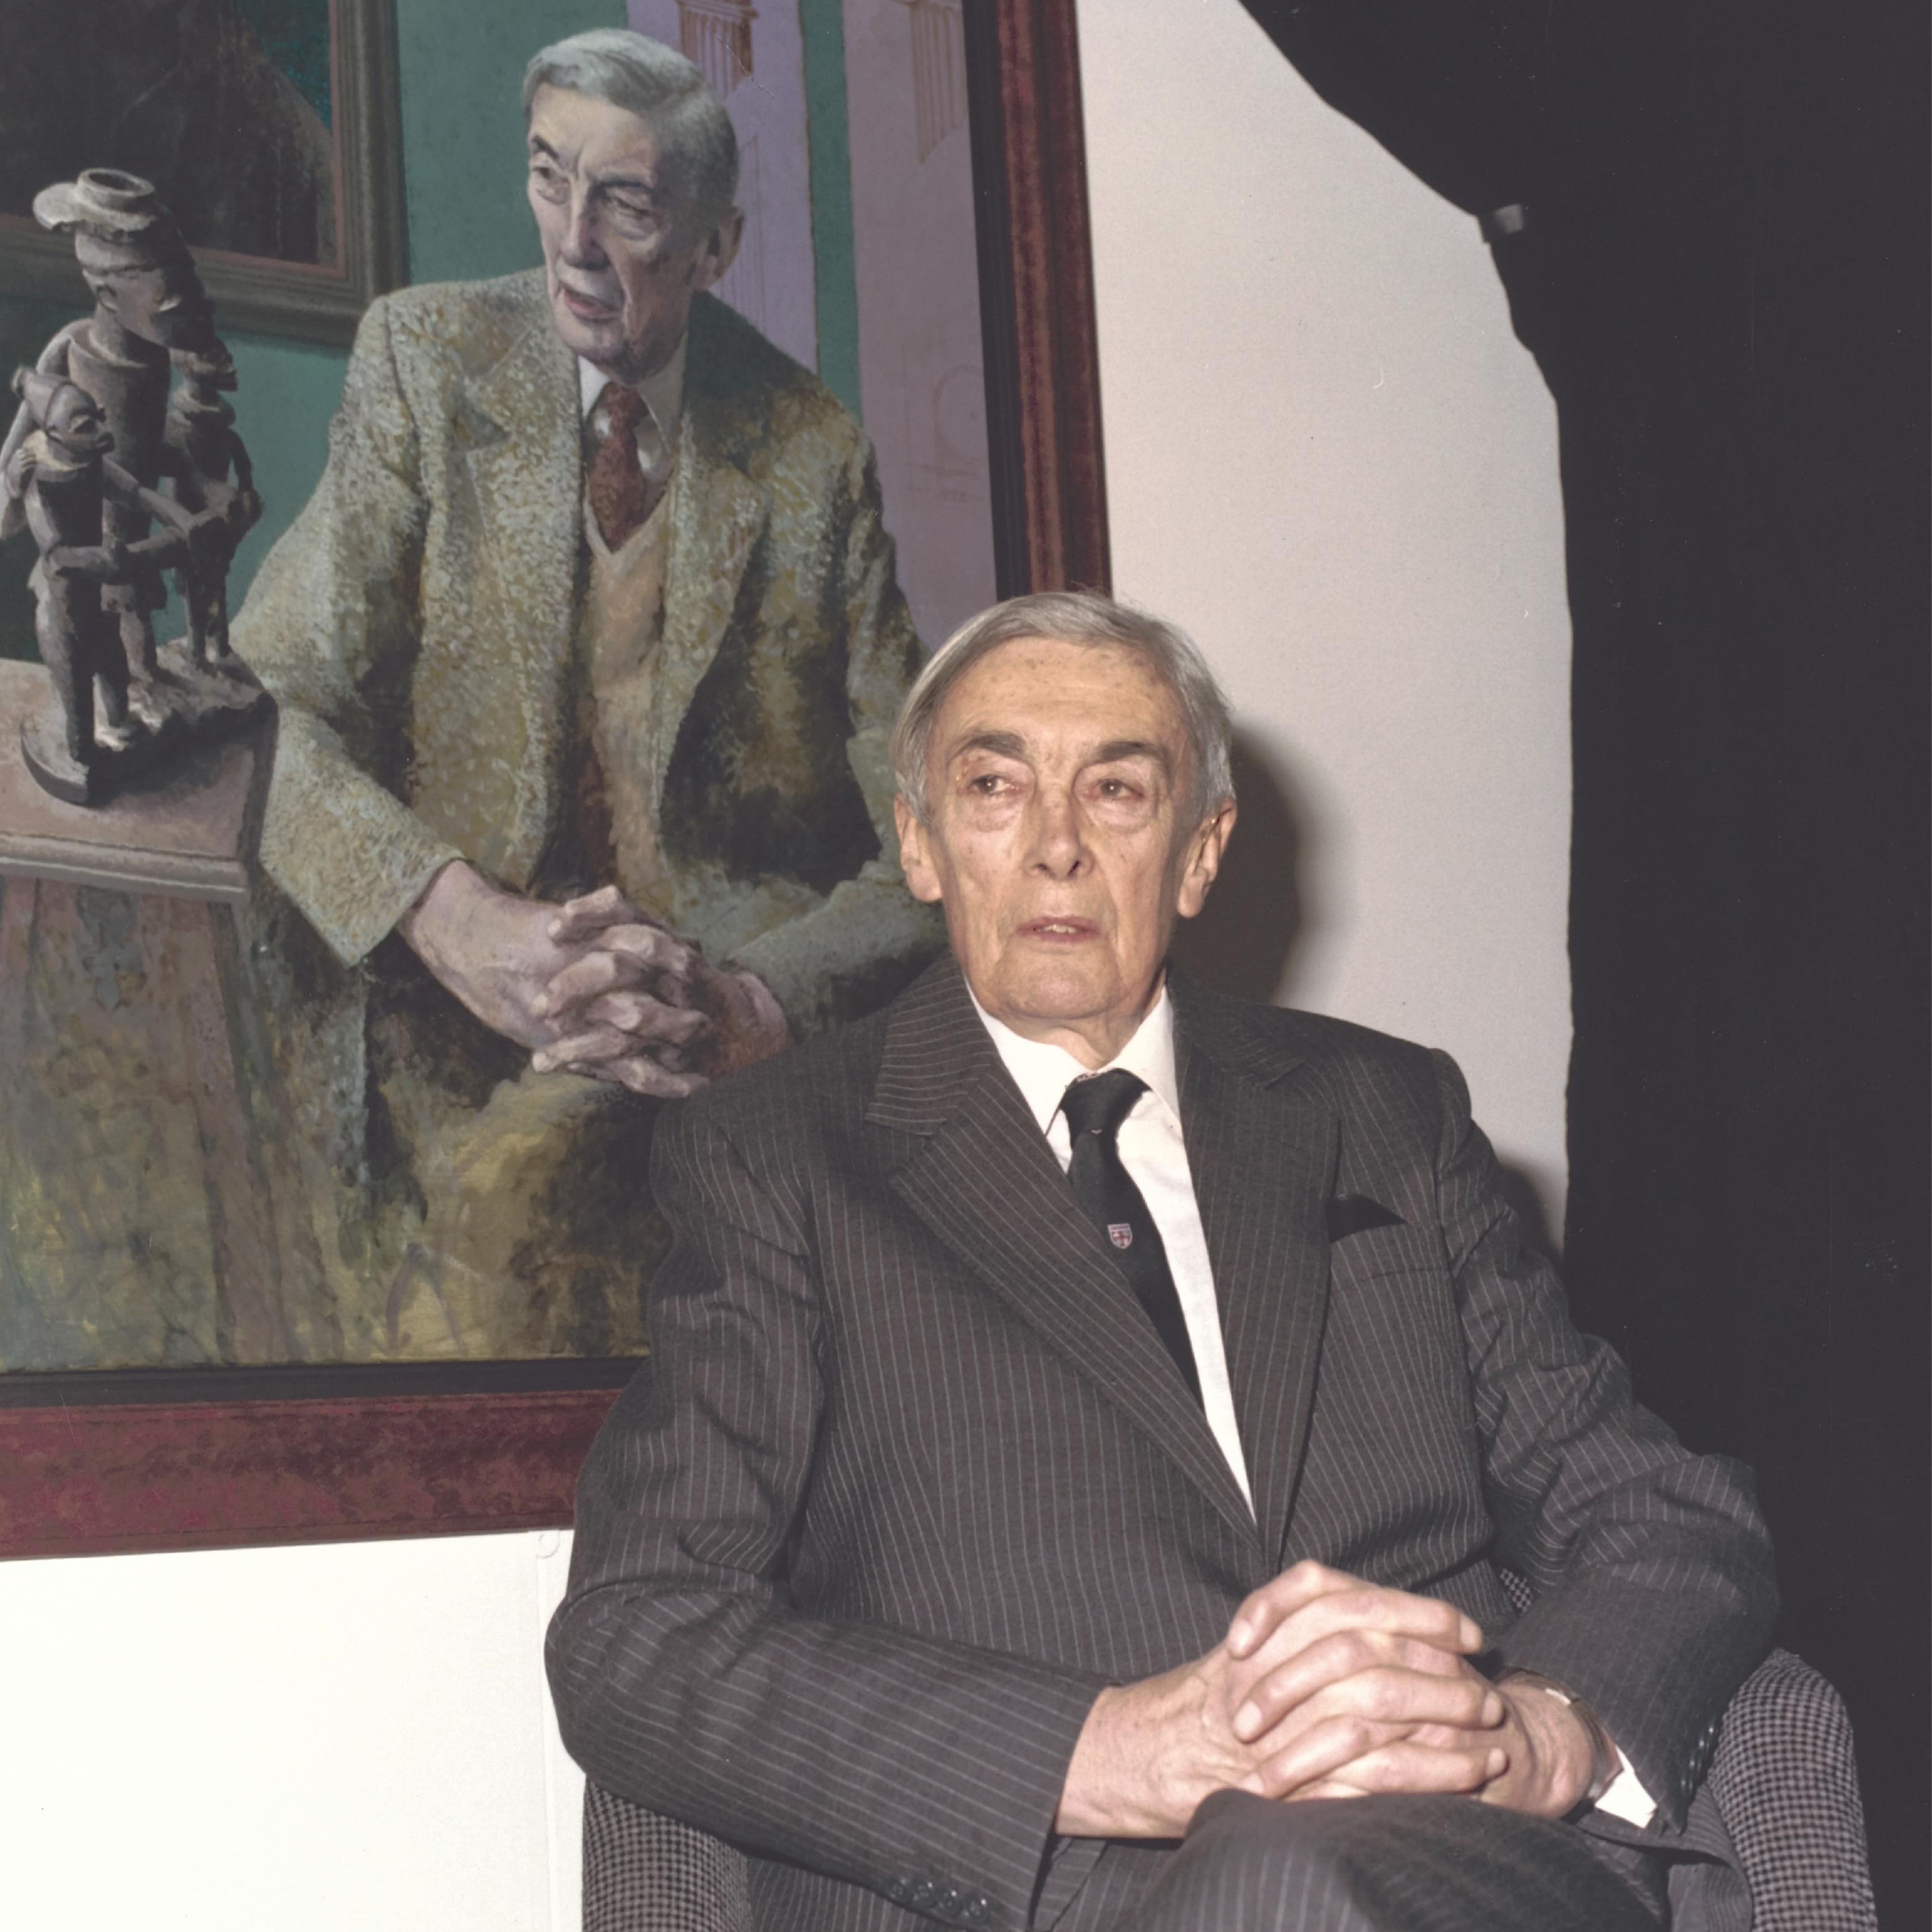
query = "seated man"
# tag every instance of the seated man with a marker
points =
(1086, 1412)
(586, 648)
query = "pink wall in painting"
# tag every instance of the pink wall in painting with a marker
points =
(771, 282)
(921, 382)
(921, 375)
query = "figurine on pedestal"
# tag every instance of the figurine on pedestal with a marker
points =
(150, 308)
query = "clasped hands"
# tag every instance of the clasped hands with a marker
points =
(1325, 1687)
(592, 985)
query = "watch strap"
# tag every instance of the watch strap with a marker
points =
(1606, 1761)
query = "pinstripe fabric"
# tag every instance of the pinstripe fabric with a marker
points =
(907, 1479)
(1423, 1863)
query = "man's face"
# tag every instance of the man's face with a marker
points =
(1059, 840)
(622, 254)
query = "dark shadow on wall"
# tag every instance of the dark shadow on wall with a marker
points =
(1520, 1191)
(1240, 942)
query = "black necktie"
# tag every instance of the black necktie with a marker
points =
(1094, 1110)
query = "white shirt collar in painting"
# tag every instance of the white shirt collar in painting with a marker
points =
(663, 393)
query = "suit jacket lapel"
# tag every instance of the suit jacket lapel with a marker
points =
(1263, 1152)
(716, 513)
(979, 1173)
(520, 430)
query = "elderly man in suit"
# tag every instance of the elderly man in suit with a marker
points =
(587, 648)
(1087, 1418)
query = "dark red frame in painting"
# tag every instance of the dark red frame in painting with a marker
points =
(119, 1461)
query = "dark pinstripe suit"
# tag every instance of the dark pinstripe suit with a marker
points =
(909, 1477)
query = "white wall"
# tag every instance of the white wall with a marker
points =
(1327, 457)
(287, 1741)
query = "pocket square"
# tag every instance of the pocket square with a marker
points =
(1356, 1214)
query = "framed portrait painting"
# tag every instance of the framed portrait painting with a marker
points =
(270, 127)
(200, 1344)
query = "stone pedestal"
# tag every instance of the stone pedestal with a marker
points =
(148, 1208)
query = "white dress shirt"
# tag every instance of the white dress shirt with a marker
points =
(1154, 1155)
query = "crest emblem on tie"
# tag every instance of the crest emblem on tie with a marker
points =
(1120, 1233)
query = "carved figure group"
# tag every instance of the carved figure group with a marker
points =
(101, 385)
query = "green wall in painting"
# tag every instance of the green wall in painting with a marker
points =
(822, 28)
(460, 65)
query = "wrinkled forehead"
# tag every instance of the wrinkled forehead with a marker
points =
(586, 130)
(1045, 699)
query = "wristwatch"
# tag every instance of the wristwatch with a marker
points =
(1605, 1761)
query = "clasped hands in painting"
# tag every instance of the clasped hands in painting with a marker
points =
(592, 985)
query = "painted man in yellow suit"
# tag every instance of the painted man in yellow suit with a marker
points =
(587, 648)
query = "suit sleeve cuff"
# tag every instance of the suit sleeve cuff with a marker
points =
(349, 855)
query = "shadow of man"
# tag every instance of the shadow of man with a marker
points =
(1240, 941)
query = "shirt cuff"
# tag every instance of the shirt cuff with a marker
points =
(1627, 1798)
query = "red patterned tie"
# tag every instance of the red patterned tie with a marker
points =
(618, 499)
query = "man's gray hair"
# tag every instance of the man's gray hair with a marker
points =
(697, 144)
(1072, 617)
